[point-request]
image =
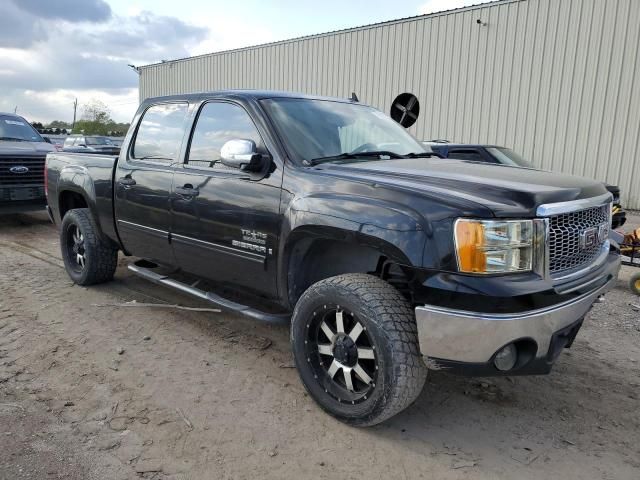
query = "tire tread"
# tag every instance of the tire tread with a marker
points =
(397, 321)
(102, 265)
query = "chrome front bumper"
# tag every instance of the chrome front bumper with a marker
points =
(470, 337)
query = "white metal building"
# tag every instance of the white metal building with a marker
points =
(556, 80)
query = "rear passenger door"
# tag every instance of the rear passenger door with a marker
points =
(143, 180)
(226, 222)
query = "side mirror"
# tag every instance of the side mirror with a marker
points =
(241, 154)
(46, 139)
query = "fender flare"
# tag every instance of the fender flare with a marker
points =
(76, 179)
(396, 231)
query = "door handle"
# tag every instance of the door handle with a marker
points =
(126, 181)
(187, 191)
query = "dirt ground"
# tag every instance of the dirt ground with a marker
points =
(89, 390)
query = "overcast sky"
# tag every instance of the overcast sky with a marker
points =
(52, 51)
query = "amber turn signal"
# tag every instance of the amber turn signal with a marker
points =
(494, 246)
(469, 240)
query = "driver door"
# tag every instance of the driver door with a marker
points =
(226, 222)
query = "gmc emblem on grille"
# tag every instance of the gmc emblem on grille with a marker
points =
(594, 236)
(19, 169)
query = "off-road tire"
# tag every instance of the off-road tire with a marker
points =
(101, 259)
(390, 323)
(634, 283)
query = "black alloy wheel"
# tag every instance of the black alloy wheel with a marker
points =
(355, 344)
(341, 353)
(89, 258)
(75, 248)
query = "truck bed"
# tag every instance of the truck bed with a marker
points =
(91, 176)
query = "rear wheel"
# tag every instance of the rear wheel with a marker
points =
(355, 345)
(87, 258)
(634, 283)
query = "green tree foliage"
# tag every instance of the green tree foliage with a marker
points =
(96, 120)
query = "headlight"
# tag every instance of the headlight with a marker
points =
(494, 246)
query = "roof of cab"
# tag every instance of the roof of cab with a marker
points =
(247, 94)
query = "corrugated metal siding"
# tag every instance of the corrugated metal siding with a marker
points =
(556, 80)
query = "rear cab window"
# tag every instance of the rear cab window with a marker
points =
(160, 132)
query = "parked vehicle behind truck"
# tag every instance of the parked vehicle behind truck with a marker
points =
(506, 156)
(22, 154)
(90, 144)
(326, 213)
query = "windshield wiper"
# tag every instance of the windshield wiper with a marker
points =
(13, 139)
(353, 156)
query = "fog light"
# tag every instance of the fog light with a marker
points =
(506, 358)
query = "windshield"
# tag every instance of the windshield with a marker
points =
(98, 141)
(315, 129)
(506, 156)
(17, 129)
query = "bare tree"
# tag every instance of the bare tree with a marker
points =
(96, 111)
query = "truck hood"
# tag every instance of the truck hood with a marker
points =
(506, 191)
(14, 149)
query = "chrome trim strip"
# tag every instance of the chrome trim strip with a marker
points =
(144, 228)
(540, 247)
(549, 209)
(251, 256)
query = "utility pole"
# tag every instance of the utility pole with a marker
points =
(75, 108)
(15, 110)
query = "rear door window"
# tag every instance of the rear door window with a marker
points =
(159, 135)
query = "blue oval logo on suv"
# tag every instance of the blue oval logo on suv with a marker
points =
(19, 169)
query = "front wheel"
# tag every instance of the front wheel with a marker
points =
(88, 259)
(355, 345)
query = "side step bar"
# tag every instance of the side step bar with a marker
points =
(277, 318)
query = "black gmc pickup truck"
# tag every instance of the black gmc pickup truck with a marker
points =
(326, 213)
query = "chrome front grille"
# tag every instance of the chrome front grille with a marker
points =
(566, 250)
